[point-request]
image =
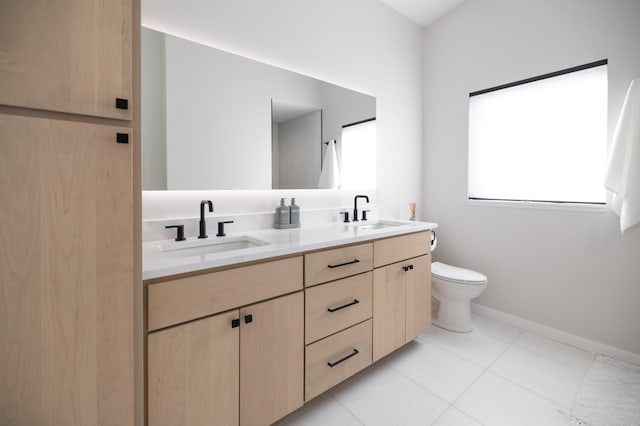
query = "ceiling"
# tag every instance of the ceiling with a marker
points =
(423, 12)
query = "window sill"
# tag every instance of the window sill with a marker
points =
(573, 207)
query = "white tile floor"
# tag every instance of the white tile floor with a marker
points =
(495, 375)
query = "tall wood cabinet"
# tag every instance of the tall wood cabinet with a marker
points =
(67, 222)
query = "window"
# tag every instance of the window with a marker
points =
(359, 155)
(542, 139)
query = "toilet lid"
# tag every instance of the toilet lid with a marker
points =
(453, 273)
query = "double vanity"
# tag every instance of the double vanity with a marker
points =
(243, 329)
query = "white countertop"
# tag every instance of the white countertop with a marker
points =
(157, 263)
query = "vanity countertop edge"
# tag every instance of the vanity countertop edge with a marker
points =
(281, 242)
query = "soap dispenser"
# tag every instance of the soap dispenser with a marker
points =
(294, 211)
(282, 214)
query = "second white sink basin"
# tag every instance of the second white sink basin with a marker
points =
(210, 245)
(380, 224)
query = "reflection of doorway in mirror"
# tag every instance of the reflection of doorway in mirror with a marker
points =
(359, 155)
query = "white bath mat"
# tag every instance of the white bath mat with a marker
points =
(609, 395)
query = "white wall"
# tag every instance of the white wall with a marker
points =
(360, 44)
(569, 270)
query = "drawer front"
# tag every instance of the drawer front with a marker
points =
(337, 305)
(397, 249)
(332, 360)
(184, 299)
(329, 265)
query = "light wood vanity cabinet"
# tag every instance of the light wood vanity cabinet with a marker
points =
(243, 366)
(244, 345)
(71, 56)
(401, 292)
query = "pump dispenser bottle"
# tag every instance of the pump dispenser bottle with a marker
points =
(282, 214)
(294, 211)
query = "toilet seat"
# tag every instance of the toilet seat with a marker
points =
(455, 274)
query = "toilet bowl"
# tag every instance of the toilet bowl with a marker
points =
(454, 288)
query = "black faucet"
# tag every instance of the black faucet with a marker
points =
(355, 206)
(203, 223)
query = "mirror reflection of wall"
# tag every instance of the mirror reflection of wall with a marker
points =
(207, 124)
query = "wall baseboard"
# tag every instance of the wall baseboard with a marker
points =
(558, 335)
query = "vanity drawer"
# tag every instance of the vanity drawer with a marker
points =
(331, 360)
(397, 249)
(337, 305)
(329, 265)
(184, 299)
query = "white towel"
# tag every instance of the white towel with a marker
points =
(622, 176)
(330, 174)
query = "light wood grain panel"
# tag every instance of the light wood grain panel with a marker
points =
(66, 55)
(193, 373)
(418, 293)
(319, 376)
(397, 249)
(66, 261)
(389, 296)
(271, 359)
(320, 322)
(184, 299)
(316, 265)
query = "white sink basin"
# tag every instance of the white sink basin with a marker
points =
(209, 245)
(380, 224)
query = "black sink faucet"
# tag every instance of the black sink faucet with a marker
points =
(355, 206)
(203, 223)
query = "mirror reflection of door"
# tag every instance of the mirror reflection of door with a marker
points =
(296, 136)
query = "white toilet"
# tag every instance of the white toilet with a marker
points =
(454, 288)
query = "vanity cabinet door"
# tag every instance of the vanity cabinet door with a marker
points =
(389, 299)
(401, 304)
(271, 359)
(193, 373)
(418, 297)
(70, 56)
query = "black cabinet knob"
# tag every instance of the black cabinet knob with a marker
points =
(248, 319)
(122, 103)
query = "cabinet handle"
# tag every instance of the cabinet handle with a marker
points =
(235, 323)
(344, 264)
(333, 364)
(122, 103)
(407, 268)
(122, 137)
(248, 319)
(355, 301)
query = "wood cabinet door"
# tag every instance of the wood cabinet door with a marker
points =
(66, 273)
(271, 359)
(418, 288)
(193, 373)
(67, 55)
(389, 325)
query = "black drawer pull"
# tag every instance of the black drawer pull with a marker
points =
(333, 364)
(408, 268)
(355, 302)
(344, 264)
